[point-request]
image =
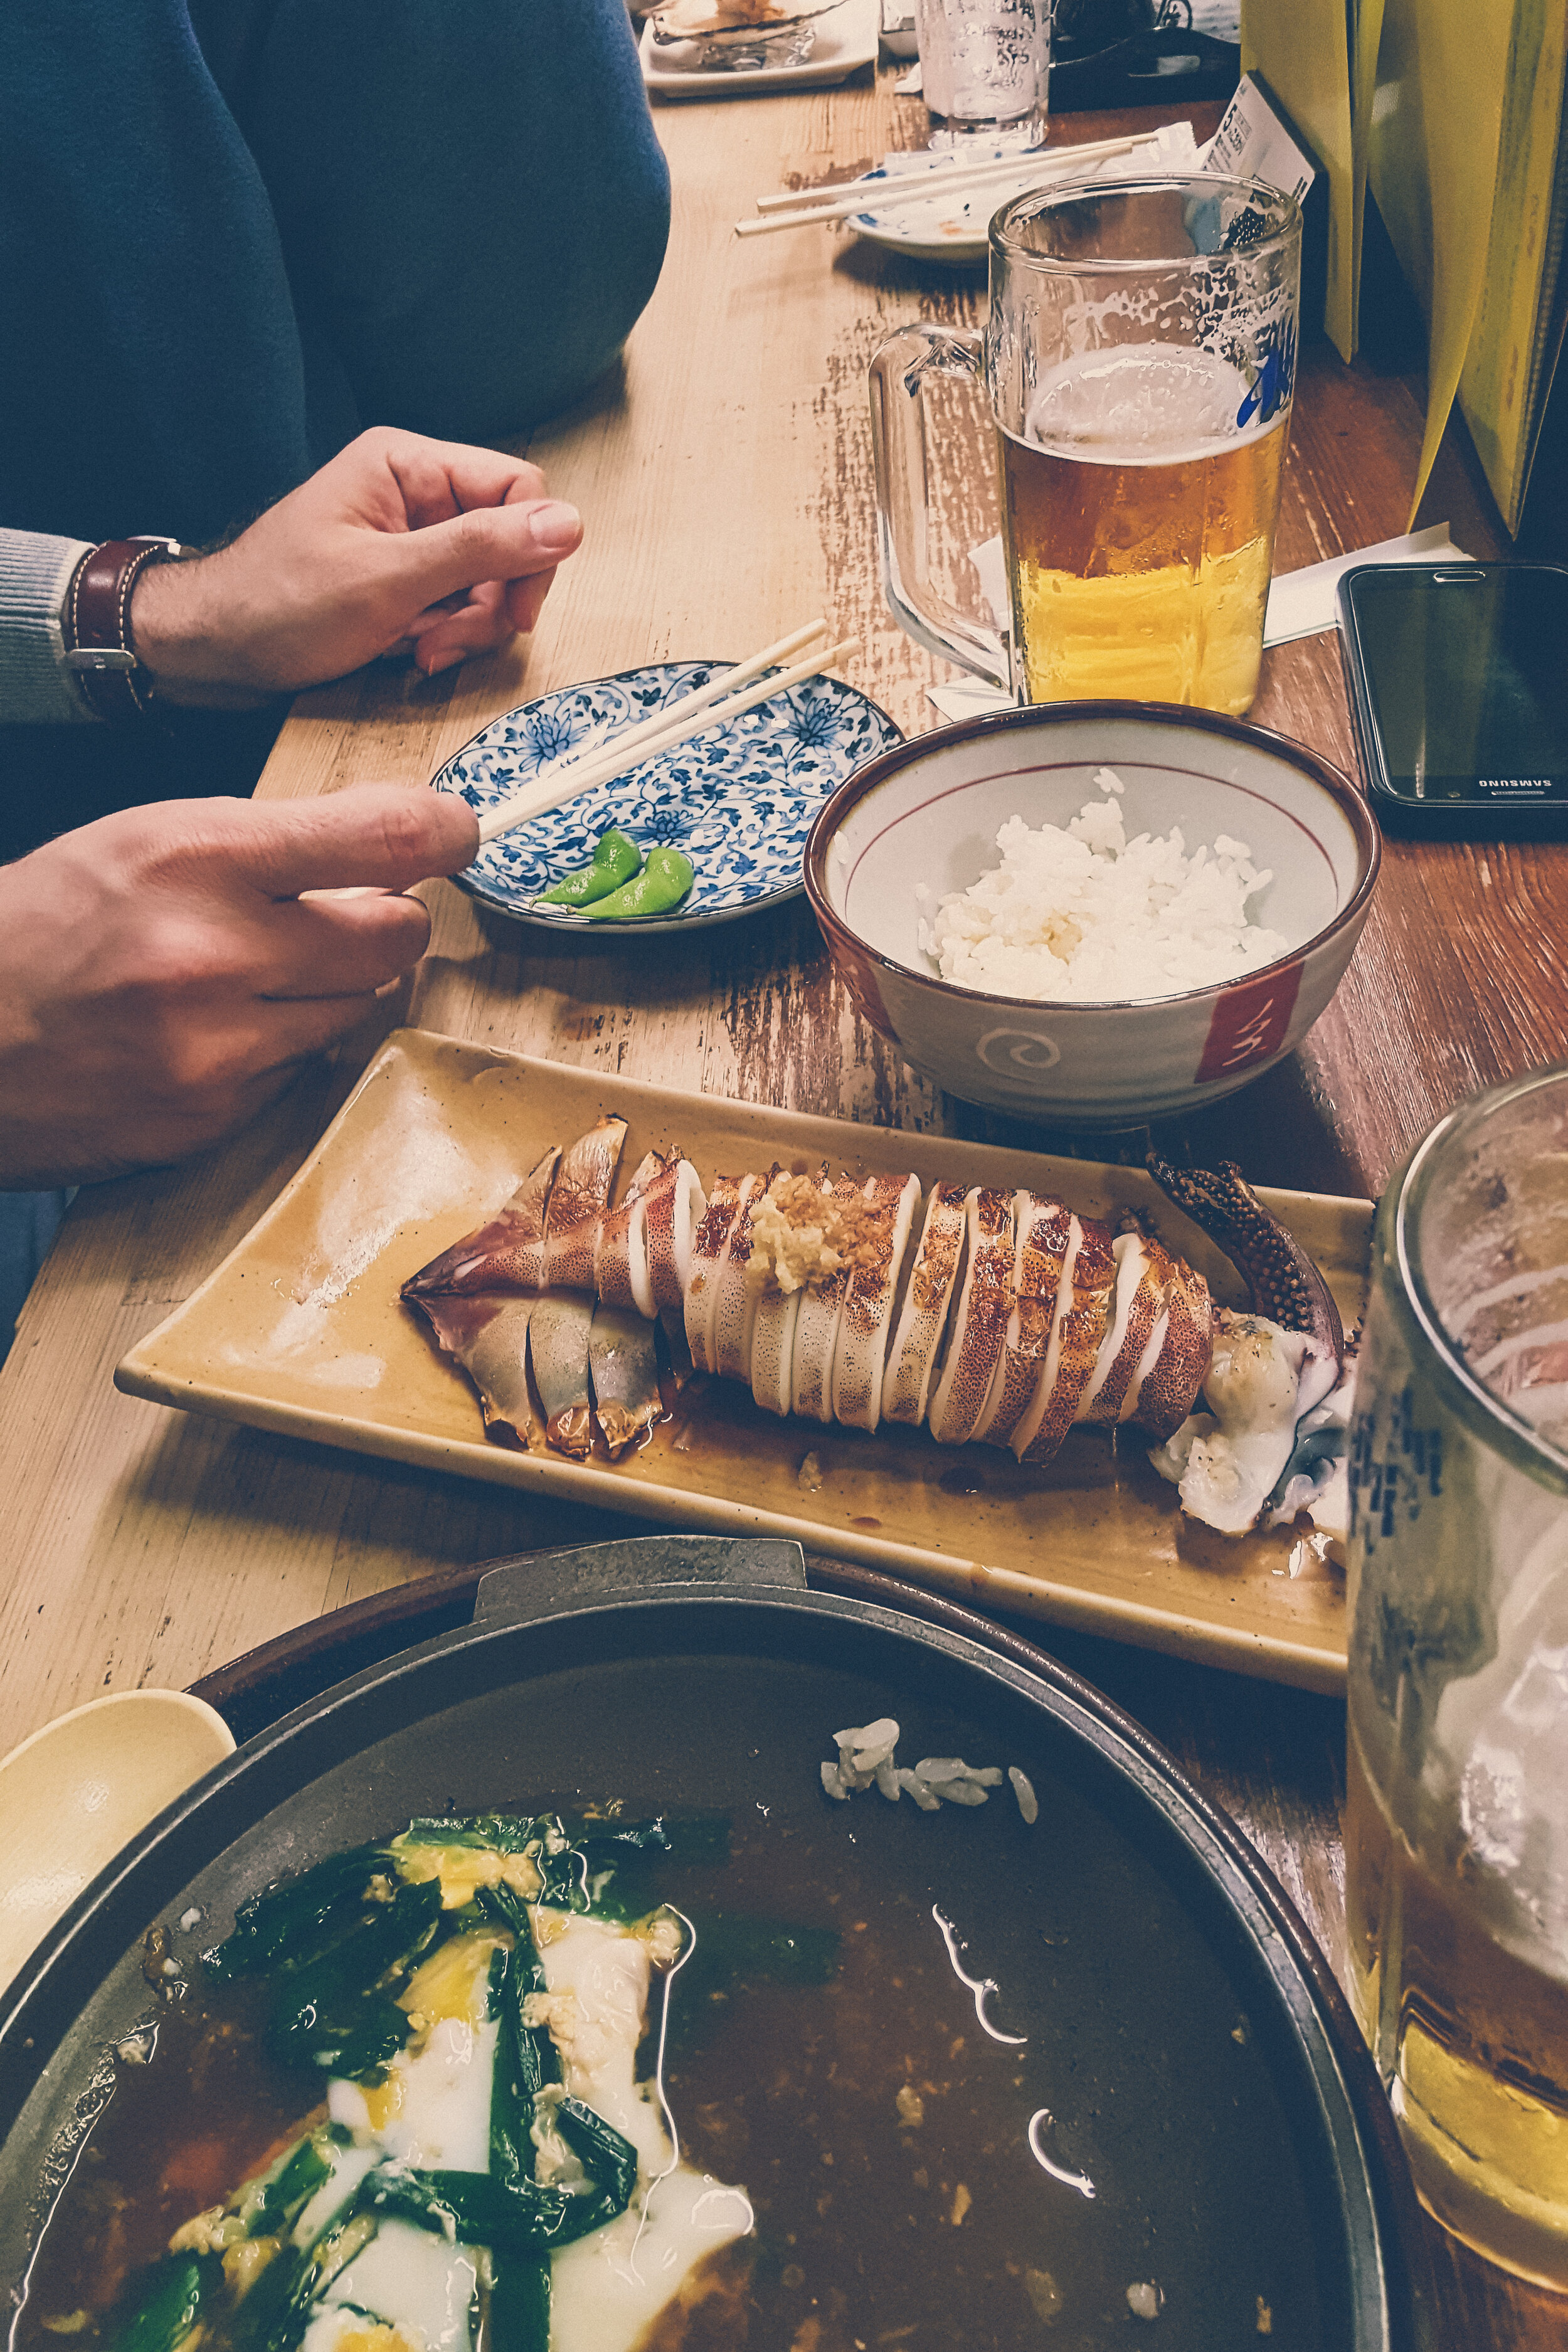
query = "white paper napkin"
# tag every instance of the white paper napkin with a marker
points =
(1302, 602)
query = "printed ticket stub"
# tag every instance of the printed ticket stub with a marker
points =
(1252, 143)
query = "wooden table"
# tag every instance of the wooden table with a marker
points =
(726, 482)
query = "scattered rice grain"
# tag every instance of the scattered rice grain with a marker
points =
(1044, 2294)
(1024, 1789)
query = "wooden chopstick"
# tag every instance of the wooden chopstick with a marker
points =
(791, 199)
(565, 783)
(627, 738)
(911, 187)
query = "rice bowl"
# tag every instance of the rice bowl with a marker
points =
(929, 812)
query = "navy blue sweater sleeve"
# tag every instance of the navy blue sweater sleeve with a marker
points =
(232, 231)
(151, 371)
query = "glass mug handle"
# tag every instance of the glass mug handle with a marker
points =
(898, 446)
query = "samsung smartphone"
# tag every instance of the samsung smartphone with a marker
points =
(1459, 680)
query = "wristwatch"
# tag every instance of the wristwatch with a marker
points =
(96, 624)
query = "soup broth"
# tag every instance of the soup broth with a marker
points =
(1019, 2105)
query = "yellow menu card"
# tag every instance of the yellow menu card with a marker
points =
(1301, 48)
(1518, 332)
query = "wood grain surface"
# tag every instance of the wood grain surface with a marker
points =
(725, 478)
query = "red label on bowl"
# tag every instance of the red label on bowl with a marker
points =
(1248, 1023)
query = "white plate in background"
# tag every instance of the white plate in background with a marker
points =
(846, 40)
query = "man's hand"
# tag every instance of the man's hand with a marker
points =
(163, 972)
(399, 544)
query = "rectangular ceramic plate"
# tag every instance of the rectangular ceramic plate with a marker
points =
(300, 1331)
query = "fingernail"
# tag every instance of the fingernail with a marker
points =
(448, 661)
(556, 525)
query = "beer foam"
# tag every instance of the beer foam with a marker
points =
(1139, 405)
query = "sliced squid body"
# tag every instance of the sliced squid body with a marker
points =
(773, 1329)
(1042, 1231)
(1143, 1277)
(980, 1319)
(736, 1296)
(923, 1318)
(674, 1214)
(1168, 1387)
(773, 1350)
(621, 1276)
(487, 1331)
(672, 1323)
(1083, 1310)
(505, 1254)
(577, 1205)
(558, 1347)
(709, 1243)
(623, 1360)
(816, 1329)
(860, 1344)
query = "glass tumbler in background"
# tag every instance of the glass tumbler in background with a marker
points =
(1456, 1804)
(1138, 364)
(986, 71)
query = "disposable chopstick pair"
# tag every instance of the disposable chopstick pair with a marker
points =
(800, 209)
(950, 173)
(714, 705)
(625, 737)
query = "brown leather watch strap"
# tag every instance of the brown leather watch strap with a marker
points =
(97, 625)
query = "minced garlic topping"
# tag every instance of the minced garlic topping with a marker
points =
(802, 1235)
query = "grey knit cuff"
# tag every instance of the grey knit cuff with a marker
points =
(36, 686)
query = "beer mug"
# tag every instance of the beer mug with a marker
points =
(1457, 1790)
(1139, 359)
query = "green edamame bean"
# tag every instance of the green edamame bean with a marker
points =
(662, 884)
(615, 860)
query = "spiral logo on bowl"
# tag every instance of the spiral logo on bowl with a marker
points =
(1018, 1053)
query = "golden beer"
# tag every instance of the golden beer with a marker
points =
(1137, 515)
(1471, 2038)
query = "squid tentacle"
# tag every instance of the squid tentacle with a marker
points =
(1285, 1284)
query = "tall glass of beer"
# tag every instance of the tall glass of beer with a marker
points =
(1456, 1799)
(1139, 361)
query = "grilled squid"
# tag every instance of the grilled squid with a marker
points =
(1270, 1442)
(991, 1316)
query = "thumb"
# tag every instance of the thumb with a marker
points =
(485, 543)
(379, 836)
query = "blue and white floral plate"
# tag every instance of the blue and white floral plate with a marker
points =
(738, 800)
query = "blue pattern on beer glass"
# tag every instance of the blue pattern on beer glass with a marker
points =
(1276, 375)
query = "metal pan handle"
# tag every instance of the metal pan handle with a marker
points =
(541, 1584)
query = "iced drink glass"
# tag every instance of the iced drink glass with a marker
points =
(986, 71)
(1457, 1806)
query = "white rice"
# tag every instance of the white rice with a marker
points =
(867, 1760)
(1086, 916)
